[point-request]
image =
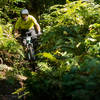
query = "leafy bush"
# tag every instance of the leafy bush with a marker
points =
(69, 58)
(1, 32)
(10, 50)
(11, 10)
(62, 84)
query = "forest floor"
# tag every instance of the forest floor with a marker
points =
(8, 86)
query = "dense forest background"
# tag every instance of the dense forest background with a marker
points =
(68, 58)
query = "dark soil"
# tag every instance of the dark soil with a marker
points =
(7, 88)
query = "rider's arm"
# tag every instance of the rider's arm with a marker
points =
(37, 26)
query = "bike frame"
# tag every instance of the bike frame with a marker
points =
(29, 46)
(29, 41)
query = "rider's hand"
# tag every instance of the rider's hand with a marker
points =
(39, 33)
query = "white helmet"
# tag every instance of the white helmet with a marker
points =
(24, 11)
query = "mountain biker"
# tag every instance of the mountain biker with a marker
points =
(27, 24)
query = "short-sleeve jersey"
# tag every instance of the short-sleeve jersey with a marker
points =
(25, 24)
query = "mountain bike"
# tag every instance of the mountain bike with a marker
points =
(30, 53)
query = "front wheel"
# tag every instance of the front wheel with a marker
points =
(31, 54)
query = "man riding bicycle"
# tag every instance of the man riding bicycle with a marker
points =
(27, 24)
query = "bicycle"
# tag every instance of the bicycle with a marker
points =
(29, 47)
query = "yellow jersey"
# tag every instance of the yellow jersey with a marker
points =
(25, 24)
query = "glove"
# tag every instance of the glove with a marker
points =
(28, 33)
(39, 33)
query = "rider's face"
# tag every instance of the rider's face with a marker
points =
(24, 16)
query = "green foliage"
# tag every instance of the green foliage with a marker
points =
(97, 1)
(7, 41)
(1, 32)
(68, 65)
(10, 45)
(37, 7)
(2, 2)
(92, 40)
(58, 84)
(10, 50)
(66, 26)
(71, 36)
(11, 10)
(48, 56)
